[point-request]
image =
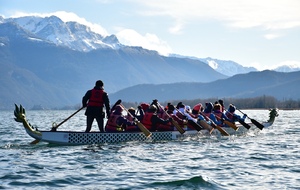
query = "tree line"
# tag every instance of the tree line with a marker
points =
(261, 102)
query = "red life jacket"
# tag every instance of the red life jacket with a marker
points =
(147, 120)
(182, 116)
(131, 127)
(164, 116)
(111, 125)
(166, 127)
(96, 98)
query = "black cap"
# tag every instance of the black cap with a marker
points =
(99, 83)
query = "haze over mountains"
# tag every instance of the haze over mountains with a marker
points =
(47, 62)
(282, 86)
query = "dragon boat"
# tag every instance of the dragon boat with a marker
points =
(83, 138)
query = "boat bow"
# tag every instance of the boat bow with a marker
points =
(21, 117)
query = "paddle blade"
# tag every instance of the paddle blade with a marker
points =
(195, 125)
(210, 132)
(232, 125)
(206, 126)
(144, 129)
(257, 124)
(180, 129)
(222, 131)
(247, 126)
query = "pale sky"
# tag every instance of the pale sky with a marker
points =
(258, 33)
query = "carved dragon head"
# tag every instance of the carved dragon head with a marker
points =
(19, 114)
(273, 113)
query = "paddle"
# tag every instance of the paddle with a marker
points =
(54, 127)
(246, 125)
(194, 124)
(205, 125)
(228, 123)
(222, 131)
(231, 111)
(256, 123)
(180, 129)
(146, 132)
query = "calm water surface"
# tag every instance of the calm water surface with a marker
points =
(267, 159)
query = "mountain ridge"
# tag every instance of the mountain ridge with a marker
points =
(38, 71)
(271, 83)
(66, 71)
(71, 34)
(80, 37)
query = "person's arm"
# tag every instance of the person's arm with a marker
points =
(85, 98)
(189, 117)
(106, 103)
(225, 117)
(156, 119)
(213, 118)
(238, 117)
(123, 121)
(178, 120)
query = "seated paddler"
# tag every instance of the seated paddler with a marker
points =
(208, 112)
(232, 116)
(151, 121)
(181, 122)
(217, 110)
(133, 116)
(117, 122)
(183, 114)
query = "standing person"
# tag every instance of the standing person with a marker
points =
(95, 99)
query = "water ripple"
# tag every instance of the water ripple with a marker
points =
(266, 159)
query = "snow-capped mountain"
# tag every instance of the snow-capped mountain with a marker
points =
(287, 68)
(81, 38)
(227, 67)
(1, 19)
(71, 34)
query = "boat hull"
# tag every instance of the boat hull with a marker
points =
(80, 138)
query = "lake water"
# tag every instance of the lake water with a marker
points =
(267, 159)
